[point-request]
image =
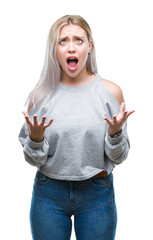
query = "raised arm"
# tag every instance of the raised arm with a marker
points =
(116, 141)
(35, 146)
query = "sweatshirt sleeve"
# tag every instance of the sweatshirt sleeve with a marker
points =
(117, 148)
(34, 153)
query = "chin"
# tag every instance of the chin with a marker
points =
(73, 74)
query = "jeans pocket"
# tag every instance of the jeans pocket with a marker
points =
(102, 182)
(41, 178)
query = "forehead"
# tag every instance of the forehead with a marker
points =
(71, 29)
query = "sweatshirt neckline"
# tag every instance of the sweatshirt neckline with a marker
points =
(79, 88)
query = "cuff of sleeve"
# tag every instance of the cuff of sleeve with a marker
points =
(114, 141)
(33, 144)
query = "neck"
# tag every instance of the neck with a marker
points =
(81, 79)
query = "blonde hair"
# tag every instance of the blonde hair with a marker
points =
(51, 72)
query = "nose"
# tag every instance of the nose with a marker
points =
(71, 47)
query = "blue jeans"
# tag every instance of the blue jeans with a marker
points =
(91, 202)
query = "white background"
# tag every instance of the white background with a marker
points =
(123, 34)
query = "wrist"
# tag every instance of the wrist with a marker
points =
(36, 139)
(114, 134)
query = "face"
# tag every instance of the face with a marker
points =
(73, 49)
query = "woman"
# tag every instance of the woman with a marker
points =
(78, 146)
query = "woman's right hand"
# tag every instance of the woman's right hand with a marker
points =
(36, 130)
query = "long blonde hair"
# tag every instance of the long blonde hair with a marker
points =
(51, 72)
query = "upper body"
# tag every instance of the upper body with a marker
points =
(86, 129)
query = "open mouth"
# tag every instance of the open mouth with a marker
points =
(72, 63)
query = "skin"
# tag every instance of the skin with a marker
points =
(36, 130)
(115, 124)
(73, 41)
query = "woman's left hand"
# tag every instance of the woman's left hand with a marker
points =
(115, 125)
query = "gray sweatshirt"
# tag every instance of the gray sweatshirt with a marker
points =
(76, 145)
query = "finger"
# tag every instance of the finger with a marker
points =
(124, 115)
(28, 127)
(122, 107)
(27, 118)
(49, 123)
(43, 121)
(108, 120)
(25, 114)
(129, 113)
(114, 119)
(35, 121)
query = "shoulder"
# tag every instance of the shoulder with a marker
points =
(115, 90)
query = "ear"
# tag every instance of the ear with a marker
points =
(90, 45)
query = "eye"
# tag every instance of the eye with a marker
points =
(62, 42)
(78, 40)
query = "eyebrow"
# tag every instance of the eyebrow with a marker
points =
(73, 36)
